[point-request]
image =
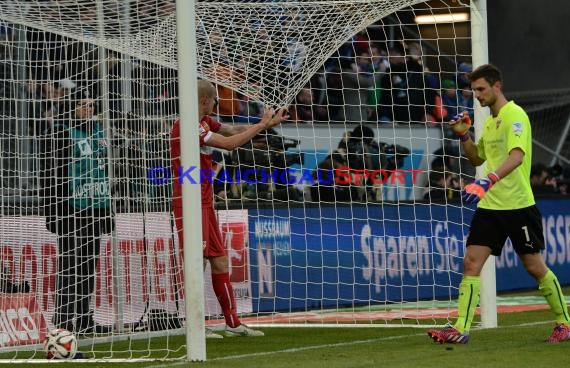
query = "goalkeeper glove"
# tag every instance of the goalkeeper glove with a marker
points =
(460, 124)
(474, 192)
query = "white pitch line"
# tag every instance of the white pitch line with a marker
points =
(294, 350)
(314, 347)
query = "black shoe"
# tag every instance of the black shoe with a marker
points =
(79, 355)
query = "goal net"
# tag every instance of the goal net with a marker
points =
(348, 214)
(549, 110)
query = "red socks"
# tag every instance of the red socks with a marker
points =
(225, 293)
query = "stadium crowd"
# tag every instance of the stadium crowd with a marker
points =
(365, 82)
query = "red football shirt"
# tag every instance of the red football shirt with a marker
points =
(207, 125)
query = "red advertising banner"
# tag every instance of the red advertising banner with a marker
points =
(235, 238)
(146, 269)
(234, 229)
(21, 320)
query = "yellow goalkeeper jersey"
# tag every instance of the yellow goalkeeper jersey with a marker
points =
(510, 129)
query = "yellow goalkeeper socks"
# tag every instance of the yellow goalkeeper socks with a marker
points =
(550, 289)
(468, 300)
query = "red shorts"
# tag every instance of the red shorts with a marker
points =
(212, 244)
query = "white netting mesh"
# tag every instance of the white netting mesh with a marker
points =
(353, 72)
(292, 249)
(283, 43)
(549, 110)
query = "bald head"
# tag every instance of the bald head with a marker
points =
(206, 89)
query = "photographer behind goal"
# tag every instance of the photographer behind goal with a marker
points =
(359, 151)
(267, 152)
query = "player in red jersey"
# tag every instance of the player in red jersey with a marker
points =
(228, 137)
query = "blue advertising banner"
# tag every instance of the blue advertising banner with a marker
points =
(305, 258)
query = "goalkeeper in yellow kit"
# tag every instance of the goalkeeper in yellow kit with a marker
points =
(506, 206)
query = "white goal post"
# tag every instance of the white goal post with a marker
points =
(480, 56)
(189, 156)
(383, 250)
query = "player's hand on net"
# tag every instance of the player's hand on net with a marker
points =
(474, 192)
(278, 117)
(460, 124)
(267, 116)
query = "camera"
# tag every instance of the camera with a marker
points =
(268, 159)
(394, 155)
(276, 141)
(268, 150)
(372, 155)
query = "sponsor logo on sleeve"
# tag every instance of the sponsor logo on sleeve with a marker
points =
(517, 128)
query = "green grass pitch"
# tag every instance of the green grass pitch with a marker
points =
(517, 342)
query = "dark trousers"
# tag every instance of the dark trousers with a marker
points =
(75, 281)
